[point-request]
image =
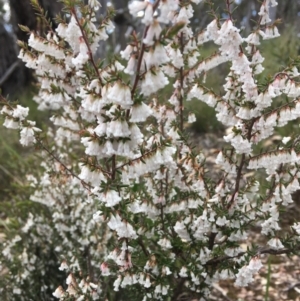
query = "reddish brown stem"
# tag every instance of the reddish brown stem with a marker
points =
(87, 45)
(141, 54)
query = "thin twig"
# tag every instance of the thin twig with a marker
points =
(8, 72)
(263, 250)
(53, 156)
(141, 243)
(181, 85)
(240, 169)
(87, 45)
(113, 167)
(139, 158)
(141, 54)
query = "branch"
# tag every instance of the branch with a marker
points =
(181, 75)
(87, 45)
(262, 250)
(53, 156)
(141, 243)
(240, 169)
(142, 51)
(136, 159)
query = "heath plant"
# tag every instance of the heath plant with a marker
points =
(131, 212)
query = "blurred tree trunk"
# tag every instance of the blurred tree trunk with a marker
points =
(122, 21)
(10, 78)
(101, 13)
(21, 13)
(288, 11)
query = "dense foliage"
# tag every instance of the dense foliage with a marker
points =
(125, 203)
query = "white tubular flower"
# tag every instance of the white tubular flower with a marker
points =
(244, 277)
(63, 266)
(10, 123)
(27, 134)
(136, 6)
(285, 140)
(270, 33)
(165, 243)
(117, 128)
(98, 217)
(182, 232)
(264, 13)
(222, 221)
(92, 148)
(272, 3)
(123, 228)
(212, 30)
(94, 4)
(118, 66)
(17, 291)
(139, 113)
(110, 27)
(147, 282)
(148, 16)
(152, 33)
(241, 145)
(104, 269)
(62, 30)
(232, 252)
(20, 112)
(160, 54)
(245, 274)
(73, 34)
(253, 39)
(257, 58)
(120, 94)
(36, 43)
(100, 130)
(153, 82)
(167, 9)
(183, 272)
(124, 149)
(229, 39)
(296, 227)
(136, 136)
(192, 118)
(117, 283)
(204, 255)
(127, 280)
(185, 13)
(175, 55)
(30, 60)
(126, 53)
(82, 57)
(244, 113)
(130, 69)
(110, 198)
(255, 264)
(59, 292)
(275, 244)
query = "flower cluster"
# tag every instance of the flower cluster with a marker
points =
(129, 197)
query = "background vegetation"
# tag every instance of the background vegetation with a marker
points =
(14, 191)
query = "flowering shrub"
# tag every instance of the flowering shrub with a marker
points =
(130, 205)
